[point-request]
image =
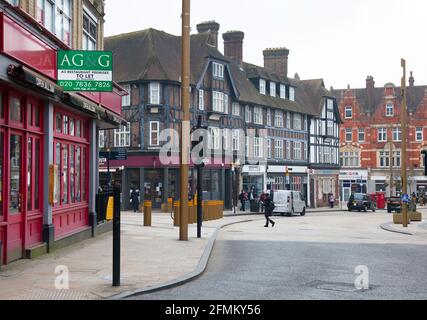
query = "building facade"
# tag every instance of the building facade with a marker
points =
(324, 145)
(371, 138)
(257, 117)
(44, 128)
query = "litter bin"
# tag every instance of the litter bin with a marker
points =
(254, 205)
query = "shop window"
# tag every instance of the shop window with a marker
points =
(15, 110)
(15, 193)
(1, 173)
(72, 131)
(78, 128)
(58, 123)
(71, 180)
(1, 106)
(65, 124)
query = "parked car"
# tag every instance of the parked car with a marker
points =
(361, 202)
(288, 202)
(394, 204)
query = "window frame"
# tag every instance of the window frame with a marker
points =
(118, 133)
(151, 132)
(350, 110)
(126, 100)
(389, 110)
(262, 86)
(154, 93)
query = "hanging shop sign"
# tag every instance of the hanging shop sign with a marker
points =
(85, 70)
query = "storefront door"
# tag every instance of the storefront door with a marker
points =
(15, 197)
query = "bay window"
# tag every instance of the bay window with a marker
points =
(154, 88)
(154, 133)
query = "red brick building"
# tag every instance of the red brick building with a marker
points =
(371, 138)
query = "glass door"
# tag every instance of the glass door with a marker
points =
(15, 192)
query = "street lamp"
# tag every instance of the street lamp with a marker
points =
(403, 120)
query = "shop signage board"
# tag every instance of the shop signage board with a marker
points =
(85, 70)
(114, 155)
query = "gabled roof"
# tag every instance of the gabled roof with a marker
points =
(153, 55)
(415, 96)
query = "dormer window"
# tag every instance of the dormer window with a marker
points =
(282, 91)
(348, 112)
(292, 93)
(262, 86)
(272, 88)
(389, 110)
(218, 70)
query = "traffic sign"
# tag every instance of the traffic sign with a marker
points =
(405, 198)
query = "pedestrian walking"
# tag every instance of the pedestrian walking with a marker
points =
(331, 201)
(269, 207)
(262, 199)
(134, 199)
(243, 197)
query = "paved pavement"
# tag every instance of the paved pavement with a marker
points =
(312, 257)
(298, 251)
(150, 256)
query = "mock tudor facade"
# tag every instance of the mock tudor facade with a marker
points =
(253, 113)
(371, 138)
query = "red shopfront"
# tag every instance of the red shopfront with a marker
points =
(21, 151)
(41, 127)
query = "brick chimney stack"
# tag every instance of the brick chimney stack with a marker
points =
(212, 28)
(233, 45)
(370, 87)
(411, 80)
(277, 60)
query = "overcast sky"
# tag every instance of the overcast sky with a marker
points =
(341, 41)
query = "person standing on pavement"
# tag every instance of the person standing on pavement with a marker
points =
(269, 207)
(331, 200)
(134, 199)
(243, 197)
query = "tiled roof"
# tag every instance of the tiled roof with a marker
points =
(153, 55)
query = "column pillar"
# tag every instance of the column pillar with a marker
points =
(93, 175)
(125, 190)
(222, 185)
(142, 184)
(228, 189)
(165, 185)
(48, 228)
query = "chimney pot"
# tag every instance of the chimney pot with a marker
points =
(233, 45)
(211, 27)
(276, 59)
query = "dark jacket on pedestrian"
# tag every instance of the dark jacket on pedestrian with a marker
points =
(269, 206)
(134, 198)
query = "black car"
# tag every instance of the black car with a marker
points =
(360, 202)
(394, 204)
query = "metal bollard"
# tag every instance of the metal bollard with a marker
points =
(148, 207)
(116, 238)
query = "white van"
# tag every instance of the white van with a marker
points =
(288, 202)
